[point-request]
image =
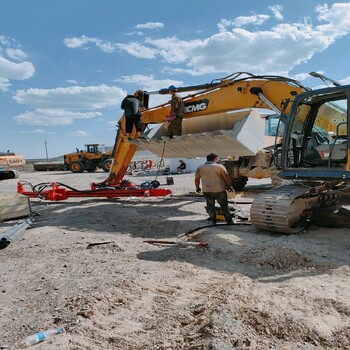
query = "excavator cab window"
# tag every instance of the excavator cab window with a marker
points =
(318, 136)
(271, 125)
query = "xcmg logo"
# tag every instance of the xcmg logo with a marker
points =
(196, 106)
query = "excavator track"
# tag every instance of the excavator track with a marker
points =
(278, 210)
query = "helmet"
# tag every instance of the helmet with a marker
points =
(172, 87)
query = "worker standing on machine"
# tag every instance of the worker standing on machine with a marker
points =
(177, 111)
(215, 182)
(131, 105)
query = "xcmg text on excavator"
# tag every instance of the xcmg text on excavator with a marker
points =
(223, 117)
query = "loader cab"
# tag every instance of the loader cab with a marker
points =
(316, 138)
(93, 148)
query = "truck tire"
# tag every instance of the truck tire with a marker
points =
(238, 183)
(106, 165)
(77, 167)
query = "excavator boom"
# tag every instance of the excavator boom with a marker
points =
(240, 91)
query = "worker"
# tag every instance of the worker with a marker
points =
(181, 167)
(139, 94)
(177, 111)
(131, 106)
(215, 181)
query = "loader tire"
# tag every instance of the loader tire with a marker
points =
(77, 167)
(239, 182)
(106, 165)
(90, 166)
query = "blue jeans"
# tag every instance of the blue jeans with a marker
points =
(221, 198)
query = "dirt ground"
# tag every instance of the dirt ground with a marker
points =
(244, 290)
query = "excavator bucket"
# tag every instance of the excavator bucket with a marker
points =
(236, 133)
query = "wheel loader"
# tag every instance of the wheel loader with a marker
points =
(93, 157)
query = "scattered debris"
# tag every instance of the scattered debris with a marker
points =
(92, 244)
(177, 243)
(41, 336)
(14, 232)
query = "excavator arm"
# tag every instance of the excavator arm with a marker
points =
(228, 94)
(235, 92)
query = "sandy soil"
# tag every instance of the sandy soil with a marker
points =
(245, 290)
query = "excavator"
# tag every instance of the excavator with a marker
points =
(9, 163)
(221, 116)
(309, 145)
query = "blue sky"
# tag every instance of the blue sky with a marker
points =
(66, 65)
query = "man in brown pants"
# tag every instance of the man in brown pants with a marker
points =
(177, 112)
(215, 182)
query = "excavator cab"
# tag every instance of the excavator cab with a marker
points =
(316, 139)
(315, 154)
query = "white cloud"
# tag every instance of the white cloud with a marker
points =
(51, 117)
(62, 106)
(16, 54)
(301, 76)
(37, 131)
(17, 71)
(277, 11)
(242, 21)
(4, 84)
(173, 50)
(148, 82)
(288, 45)
(71, 81)
(345, 81)
(12, 63)
(80, 133)
(75, 97)
(75, 43)
(150, 25)
(274, 50)
(138, 50)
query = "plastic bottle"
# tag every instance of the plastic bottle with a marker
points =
(41, 336)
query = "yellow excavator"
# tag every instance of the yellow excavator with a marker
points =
(308, 144)
(221, 116)
(310, 133)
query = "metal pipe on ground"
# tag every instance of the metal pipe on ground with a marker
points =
(14, 232)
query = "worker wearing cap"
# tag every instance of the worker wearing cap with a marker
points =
(215, 182)
(177, 111)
